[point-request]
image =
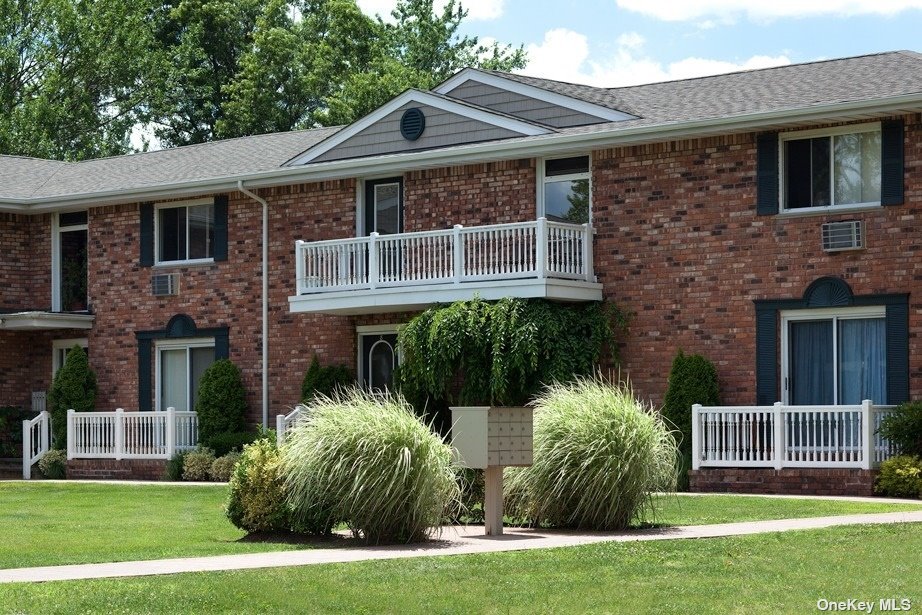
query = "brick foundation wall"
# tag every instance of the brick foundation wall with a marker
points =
(788, 481)
(680, 245)
(112, 469)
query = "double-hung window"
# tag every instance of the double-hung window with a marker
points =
(185, 232)
(566, 190)
(180, 365)
(831, 168)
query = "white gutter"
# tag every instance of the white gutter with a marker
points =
(265, 301)
(510, 148)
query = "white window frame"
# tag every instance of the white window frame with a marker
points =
(811, 134)
(58, 345)
(184, 344)
(364, 330)
(176, 205)
(542, 179)
(56, 230)
(833, 314)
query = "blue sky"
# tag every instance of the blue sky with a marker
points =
(623, 42)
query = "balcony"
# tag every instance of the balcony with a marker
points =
(409, 271)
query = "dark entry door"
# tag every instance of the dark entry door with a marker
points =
(379, 359)
(384, 206)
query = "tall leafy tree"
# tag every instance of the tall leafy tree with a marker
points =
(71, 76)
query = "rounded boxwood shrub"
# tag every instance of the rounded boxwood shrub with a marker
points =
(598, 455)
(232, 441)
(256, 502)
(692, 380)
(173, 469)
(900, 477)
(197, 464)
(223, 467)
(53, 464)
(367, 460)
(221, 403)
(73, 387)
(325, 381)
(903, 427)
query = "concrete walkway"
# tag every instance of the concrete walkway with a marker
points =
(453, 541)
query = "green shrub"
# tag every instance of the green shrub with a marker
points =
(900, 477)
(53, 464)
(197, 464)
(174, 465)
(367, 460)
(221, 403)
(692, 380)
(325, 381)
(598, 455)
(256, 502)
(223, 467)
(73, 387)
(903, 428)
(224, 443)
(473, 490)
(11, 418)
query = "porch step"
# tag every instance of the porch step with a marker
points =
(10, 468)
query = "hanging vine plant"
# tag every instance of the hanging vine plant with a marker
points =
(501, 353)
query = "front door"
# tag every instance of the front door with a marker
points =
(379, 360)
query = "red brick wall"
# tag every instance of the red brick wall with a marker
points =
(680, 245)
(790, 481)
(111, 469)
(25, 262)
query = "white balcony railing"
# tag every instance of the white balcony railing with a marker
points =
(130, 435)
(284, 422)
(782, 436)
(538, 249)
(36, 441)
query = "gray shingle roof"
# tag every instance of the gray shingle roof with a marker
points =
(857, 79)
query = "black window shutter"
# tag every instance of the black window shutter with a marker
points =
(220, 227)
(767, 174)
(147, 234)
(897, 353)
(766, 356)
(222, 345)
(891, 162)
(144, 376)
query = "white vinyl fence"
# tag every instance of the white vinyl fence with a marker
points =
(130, 435)
(284, 422)
(782, 436)
(36, 441)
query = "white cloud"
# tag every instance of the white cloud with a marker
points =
(564, 55)
(477, 10)
(761, 10)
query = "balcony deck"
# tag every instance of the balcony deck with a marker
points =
(408, 271)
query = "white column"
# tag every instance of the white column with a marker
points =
(588, 269)
(71, 435)
(457, 253)
(373, 260)
(45, 429)
(119, 433)
(493, 501)
(280, 429)
(779, 446)
(299, 267)
(696, 436)
(170, 432)
(541, 248)
(26, 450)
(867, 434)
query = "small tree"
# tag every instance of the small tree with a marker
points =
(74, 386)
(221, 403)
(692, 380)
(324, 380)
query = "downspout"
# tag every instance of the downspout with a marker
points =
(265, 306)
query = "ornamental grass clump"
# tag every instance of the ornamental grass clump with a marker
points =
(599, 453)
(368, 461)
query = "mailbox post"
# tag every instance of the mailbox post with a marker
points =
(490, 438)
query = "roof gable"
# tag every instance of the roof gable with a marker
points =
(447, 122)
(509, 95)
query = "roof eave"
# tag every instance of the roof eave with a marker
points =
(493, 150)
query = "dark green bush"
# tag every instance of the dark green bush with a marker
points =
(224, 443)
(473, 491)
(73, 387)
(900, 477)
(53, 464)
(197, 464)
(903, 428)
(11, 418)
(325, 381)
(692, 380)
(256, 502)
(173, 470)
(221, 403)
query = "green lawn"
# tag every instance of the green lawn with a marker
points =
(61, 523)
(772, 573)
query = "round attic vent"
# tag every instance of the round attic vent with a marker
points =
(412, 124)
